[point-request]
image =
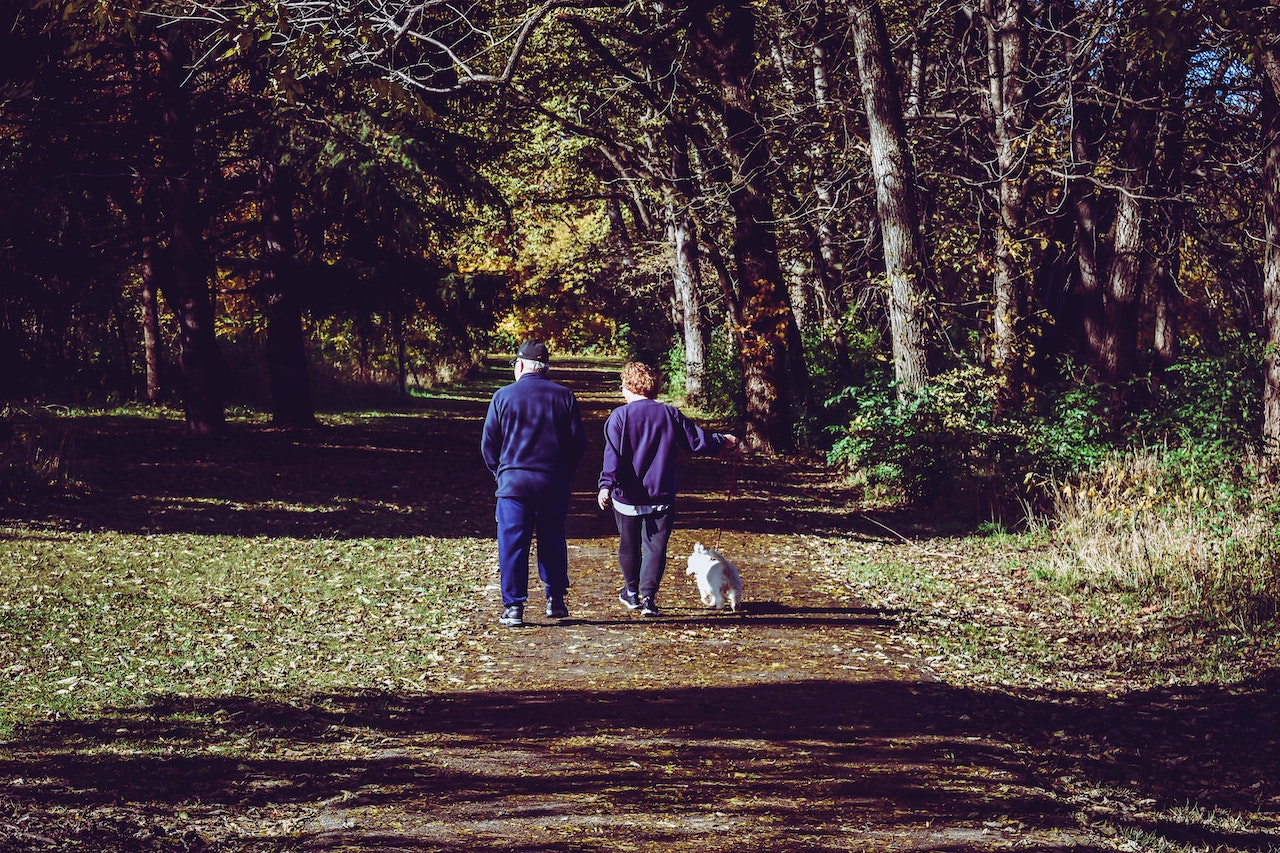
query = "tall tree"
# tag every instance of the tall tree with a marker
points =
(1006, 24)
(189, 288)
(280, 290)
(770, 345)
(896, 200)
(816, 144)
(686, 267)
(1168, 227)
(1269, 65)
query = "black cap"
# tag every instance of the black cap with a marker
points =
(534, 351)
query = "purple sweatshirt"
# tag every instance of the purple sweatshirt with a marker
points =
(641, 442)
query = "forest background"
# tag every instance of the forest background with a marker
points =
(1018, 259)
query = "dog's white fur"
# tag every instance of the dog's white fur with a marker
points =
(718, 579)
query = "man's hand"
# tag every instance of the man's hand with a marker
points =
(603, 498)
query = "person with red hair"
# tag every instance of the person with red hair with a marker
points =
(642, 442)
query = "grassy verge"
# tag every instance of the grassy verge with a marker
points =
(94, 620)
(1006, 613)
(1140, 576)
(1136, 602)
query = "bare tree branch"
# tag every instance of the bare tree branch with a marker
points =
(437, 46)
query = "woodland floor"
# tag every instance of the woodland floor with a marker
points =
(809, 723)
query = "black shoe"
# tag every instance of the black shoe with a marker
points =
(630, 599)
(556, 608)
(648, 607)
(513, 616)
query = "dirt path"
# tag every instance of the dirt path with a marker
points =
(799, 726)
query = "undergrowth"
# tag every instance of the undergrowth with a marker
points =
(34, 448)
(1138, 574)
(1137, 525)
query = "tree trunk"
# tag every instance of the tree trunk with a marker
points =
(771, 359)
(1269, 57)
(151, 341)
(189, 292)
(291, 401)
(12, 371)
(1089, 241)
(1120, 332)
(686, 276)
(1006, 30)
(402, 354)
(141, 196)
(896, 203)
(1168, 262)
(1083, 304)
(687, 281)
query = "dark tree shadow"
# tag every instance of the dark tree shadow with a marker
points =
(889, 757)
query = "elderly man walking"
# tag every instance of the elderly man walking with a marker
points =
(532, 443)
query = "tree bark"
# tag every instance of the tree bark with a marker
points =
(141, 196)
(686, 276)
(189, 289)
(687, 282)
(1269, 58)
(12, 370)
(1006, 31)
(1082, 305)
(278, 290)
(1170, 155)
(151, 341)
(896, 203)
(1120, 332)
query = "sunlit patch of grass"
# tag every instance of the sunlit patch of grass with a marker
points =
(1134, 526)
(904, 579)
(954, 620)
(1000, 613)
(90, 620)
(1138, 579)
(1192, 828)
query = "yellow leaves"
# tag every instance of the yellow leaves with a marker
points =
(1126, 487)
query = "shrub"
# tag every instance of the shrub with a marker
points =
(34, 450)
(1151, 522)
(1208, 402)
(944, 446)
(830, 372)
(1073, 431)
(722, 384)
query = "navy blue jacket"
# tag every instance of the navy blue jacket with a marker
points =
(533, 438)
(641, 443)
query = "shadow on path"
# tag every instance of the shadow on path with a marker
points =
(801, 765)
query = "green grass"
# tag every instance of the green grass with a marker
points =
(91, 620)
(1004, 612)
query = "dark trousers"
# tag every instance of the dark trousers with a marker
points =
(518, 522)
(642, 550)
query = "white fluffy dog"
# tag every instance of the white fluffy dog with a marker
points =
(718, 579)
